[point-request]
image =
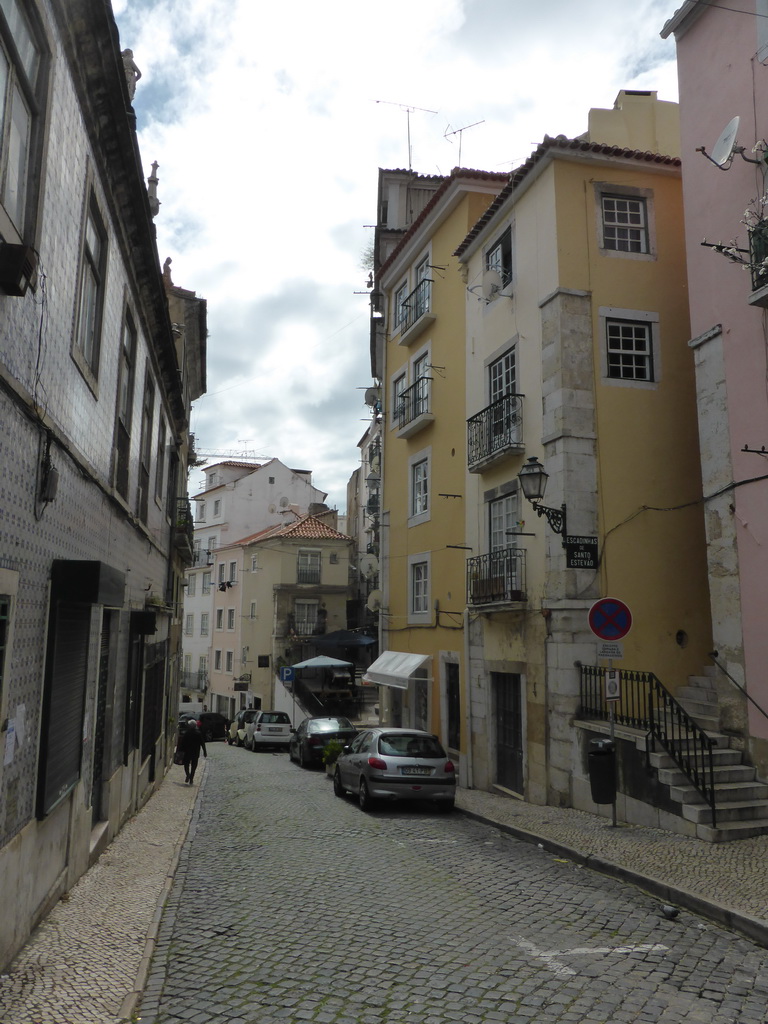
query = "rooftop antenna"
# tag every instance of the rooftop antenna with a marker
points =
(458, 132)
(409, 109)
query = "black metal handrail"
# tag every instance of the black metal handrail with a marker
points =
(496, 428)
(415, 305)
(414, 401)
(498, 576)
(647, 704)
(714, 656)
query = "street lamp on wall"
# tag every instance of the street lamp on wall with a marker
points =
(533, 482)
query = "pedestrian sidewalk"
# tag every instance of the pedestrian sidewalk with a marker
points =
(88, 961)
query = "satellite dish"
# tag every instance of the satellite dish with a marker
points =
(369, 565)
(372, 396)
(374, 601)
(375, 464)
(492, 284)
(722, 151)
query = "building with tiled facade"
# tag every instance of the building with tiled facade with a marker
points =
(96, 376)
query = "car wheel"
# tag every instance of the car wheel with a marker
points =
(302, 760)
(445, 806)
(338, 789)
(366, 801)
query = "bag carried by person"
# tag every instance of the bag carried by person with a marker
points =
(178, 757)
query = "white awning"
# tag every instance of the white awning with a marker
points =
(394, 668)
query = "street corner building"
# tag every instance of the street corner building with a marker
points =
(100, 358)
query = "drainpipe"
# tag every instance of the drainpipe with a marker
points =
(468, 773)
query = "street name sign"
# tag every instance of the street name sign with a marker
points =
(580, 552)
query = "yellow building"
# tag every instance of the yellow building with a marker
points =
(418, 354)
(577, 357)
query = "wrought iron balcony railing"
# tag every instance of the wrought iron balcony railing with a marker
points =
(414, 401)
(498, 577)
(415, 305)
(758, 254)
(308, 574)
(184, 530)
(495, 430)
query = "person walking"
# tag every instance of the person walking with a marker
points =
(190, 745)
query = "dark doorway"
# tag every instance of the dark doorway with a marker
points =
(507, 690)
(453, 695)
(99, 731)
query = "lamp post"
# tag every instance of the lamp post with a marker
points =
(533, 482)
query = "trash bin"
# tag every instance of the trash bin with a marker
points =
(601, 763)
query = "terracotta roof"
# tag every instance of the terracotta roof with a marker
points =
(306, 528)
(457, 174)
(565, 145)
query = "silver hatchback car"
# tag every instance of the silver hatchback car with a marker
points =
(395, 764)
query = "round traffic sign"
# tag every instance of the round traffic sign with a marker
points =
(610, 619)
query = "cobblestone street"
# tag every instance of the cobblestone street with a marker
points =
(292, 905)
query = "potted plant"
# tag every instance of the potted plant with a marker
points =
(330, 756)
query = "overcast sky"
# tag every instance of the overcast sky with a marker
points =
(269, 122)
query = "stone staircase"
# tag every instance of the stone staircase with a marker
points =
(741, 800)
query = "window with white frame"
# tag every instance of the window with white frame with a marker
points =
(305, 614)
(22, 88)
(230, 618)
(399, 310)
(191, 584)
(418, 487)
(212, 543)
(503, 516)
(399, 385)
(222, 571)
(502, 376)
(625, 223)
(308, 568)
(187, 665)
(230, 661)
(93, 264)
(217, 661)
(421, 385)
(253, 610)
(232, 572)
(254, 563)
(189, 625)
(206, 586)
(201, 511)
(217, 507)
(202, 669)
(419, 588)
(498, 257)
(204, 624)
(219, 618)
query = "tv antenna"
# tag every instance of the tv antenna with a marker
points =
(458, 132)
(725, 147)
(409, 109)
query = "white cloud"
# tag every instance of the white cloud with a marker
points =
(265, 123)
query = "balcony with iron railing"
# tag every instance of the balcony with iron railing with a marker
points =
(308, 574)
(184, 531)
(495, 433)
(413, 410)
(415, 312)
(758, 263)
(496, 578)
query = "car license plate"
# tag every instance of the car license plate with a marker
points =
(415, 769)
(274, 728)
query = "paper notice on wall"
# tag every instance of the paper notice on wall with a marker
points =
(21, 723)
(10, 742)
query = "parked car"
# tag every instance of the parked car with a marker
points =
(395, 764)
(268, 729)
(308, 743)
(236, 731)
(212, 725)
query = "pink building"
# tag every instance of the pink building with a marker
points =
(723, 73)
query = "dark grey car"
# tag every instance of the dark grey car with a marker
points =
(396, 764)
(311, 738)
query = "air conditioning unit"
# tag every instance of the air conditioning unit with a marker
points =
(18, 268)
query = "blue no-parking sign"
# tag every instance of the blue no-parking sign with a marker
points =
(610, 619)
